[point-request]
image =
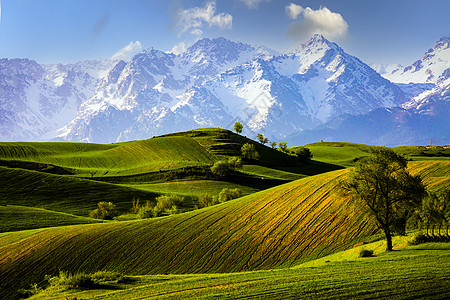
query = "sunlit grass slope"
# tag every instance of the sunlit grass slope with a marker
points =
(346, 154)
(417, 272)
(15, 218)
(63, 193)
(339, 153)
(192, 187)
(435, 174)
(123, 158)
(279, 227)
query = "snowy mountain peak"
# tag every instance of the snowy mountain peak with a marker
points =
(218, 50)
(427, 69)
(445, 40)
(318, 42)
(213, 83)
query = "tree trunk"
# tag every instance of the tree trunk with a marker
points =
(388, 236)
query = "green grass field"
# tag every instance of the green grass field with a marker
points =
(282, 238)
(115, 159)
(64, 193)
(22, 218)
(338, 153)
(192, 187)
(396, 275)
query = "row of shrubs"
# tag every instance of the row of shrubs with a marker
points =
(172, 204)
(66, 280)
(225, 195)
(422, 238)
(165, 204)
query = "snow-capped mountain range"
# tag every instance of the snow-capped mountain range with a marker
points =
(215, 82)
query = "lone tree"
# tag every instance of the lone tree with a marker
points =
(238, 127)
(273, 144)
(383, 185)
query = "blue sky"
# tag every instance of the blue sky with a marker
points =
(50, 31)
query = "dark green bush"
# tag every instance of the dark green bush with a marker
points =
(302, 153)
(222, 168)
(105, 211)
(146, 211)
(421, 238)
(366, 253)
(205, 200)
(165, 204)
(249, 152)
(228, 194)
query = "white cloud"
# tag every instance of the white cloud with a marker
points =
(322, 21)
(179, 48)
(128, 51)
(194, 19)
(293, 10)
(253, 4)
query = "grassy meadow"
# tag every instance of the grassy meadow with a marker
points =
(291, 234)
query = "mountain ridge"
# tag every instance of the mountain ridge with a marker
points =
(214, 82)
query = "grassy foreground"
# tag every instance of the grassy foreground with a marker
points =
(417, 272)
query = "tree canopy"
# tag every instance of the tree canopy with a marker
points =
(382, 184)
(238, 127)
(249, 152)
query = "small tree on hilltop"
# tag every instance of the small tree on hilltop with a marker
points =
(260, 137)
(249, 152)
(238, 127)
(283, 146)
(382, 184)
(273, 144)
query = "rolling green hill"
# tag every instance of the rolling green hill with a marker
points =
(279, 227)
(74, 177)
(114, 159)
(15, 218)
(339, 153)
(275, 228)
(63, 193)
